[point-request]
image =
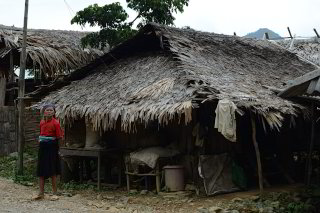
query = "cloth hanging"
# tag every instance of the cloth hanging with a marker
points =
(198, 133)
(225, 120)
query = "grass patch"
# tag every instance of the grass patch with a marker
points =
(8, 170)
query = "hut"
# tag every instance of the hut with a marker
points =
(167, 86)
(49, 53)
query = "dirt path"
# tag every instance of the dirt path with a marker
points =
(17, 198)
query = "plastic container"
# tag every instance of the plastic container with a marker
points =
(174, 178)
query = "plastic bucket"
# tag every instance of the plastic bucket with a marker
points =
(174, 178)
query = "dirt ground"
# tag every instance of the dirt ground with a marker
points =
(17, 198)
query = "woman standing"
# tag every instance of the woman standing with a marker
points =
(48, 157)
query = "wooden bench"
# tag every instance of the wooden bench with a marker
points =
(96, 153)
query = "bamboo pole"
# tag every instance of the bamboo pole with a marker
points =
(309, 160)
(11, 71)
(315, 31)
(256, 147)
(22, 90)
(290, 32)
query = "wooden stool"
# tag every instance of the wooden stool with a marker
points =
(155, 173)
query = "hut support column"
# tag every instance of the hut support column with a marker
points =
(11, 71)
(309, 160)
(256, 147)
(23, 58)
(2, 89)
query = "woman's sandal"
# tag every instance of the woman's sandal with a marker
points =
(54, 197)
(39, 196)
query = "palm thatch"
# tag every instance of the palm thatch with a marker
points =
(306, 48)
(52, 51)
(163, 73)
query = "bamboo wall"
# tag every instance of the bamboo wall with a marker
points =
(8, 125)
(32, 126)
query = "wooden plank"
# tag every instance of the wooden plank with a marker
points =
(256, 147)
(82, 153)
(304, 78)
(298, 82)
(312, 86)
(138, 174)
(294, 91)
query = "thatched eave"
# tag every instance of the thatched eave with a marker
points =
(52, 51)
(164, 72)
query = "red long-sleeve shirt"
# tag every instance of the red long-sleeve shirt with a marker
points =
(50, 128)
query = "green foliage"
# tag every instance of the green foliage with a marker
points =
(8, 170)
(7, 167)
(299, 207)
(159, 11)
(113, 19)
(110, 16)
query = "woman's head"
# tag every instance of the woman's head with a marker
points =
(48, 110)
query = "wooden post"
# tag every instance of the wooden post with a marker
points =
(158, 178)
(309, 160)
(2, 88)
(99, 170)
(314, 29)
(290, 32)
(256, 147)
(23, 58)
(11, 71)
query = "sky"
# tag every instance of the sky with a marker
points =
(219, 16)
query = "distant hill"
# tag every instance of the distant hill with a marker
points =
(260, 33)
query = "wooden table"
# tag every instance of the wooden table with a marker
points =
(97, 153)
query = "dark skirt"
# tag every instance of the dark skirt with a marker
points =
(48, 159)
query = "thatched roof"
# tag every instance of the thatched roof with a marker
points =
(52, 51)
(306, 48)
(165, 72)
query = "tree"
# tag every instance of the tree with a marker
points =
(114, 23)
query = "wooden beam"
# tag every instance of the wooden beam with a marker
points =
(314, 29)
(300, 80)
(304, 78)
(290, 32)
(256, 147)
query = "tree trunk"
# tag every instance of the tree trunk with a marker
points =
(2, 89)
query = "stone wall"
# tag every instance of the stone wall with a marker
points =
(8, 125)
